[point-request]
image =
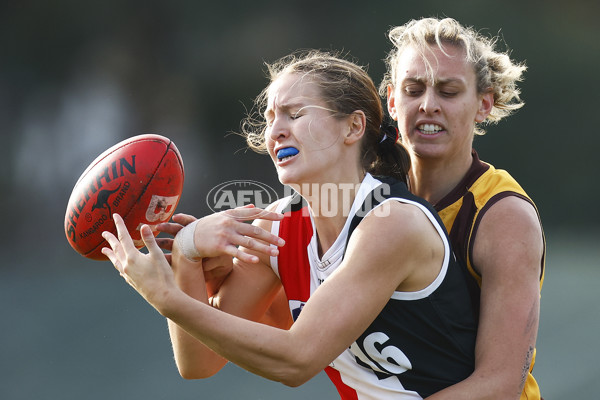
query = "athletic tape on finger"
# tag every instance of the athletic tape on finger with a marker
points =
(185, 241)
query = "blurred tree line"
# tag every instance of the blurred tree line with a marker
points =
(79, 76)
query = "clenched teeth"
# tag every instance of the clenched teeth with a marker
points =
(429, 129)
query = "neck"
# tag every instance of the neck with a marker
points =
(330, 205)
(432, 179)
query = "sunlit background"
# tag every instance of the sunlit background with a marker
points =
(76, 77)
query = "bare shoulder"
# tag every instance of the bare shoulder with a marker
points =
(403, 224)
(402, 218)
(402, 241)
(509, 217)
(509, 230)
(514, 208)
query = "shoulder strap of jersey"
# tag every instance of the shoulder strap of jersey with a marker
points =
(389, 188)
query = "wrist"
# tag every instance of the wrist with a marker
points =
(184, 240)
(169, 302)
(188, 275)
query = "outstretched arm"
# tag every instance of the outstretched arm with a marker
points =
(193, 359)
(150, 274)
(321, 332)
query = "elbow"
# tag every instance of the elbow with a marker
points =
(193, 375)
(196, 372)
(295, 380)
(298, 373)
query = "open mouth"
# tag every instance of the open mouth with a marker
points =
(286, 153)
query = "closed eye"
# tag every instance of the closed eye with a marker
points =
(447, 93)
(413, 89)
(450, 87)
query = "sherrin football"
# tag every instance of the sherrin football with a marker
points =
(140, 178)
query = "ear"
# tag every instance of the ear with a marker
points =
(357, 124)
(391, 102)
(486, 103)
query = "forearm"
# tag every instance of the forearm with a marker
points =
(470, 388)
(194, 360)
(476, 387)
(266, 351)
(205, 333)
(505, 343)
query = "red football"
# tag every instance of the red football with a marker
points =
(140, 178)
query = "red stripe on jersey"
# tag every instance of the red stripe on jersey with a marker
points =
(294, 268)
(345, 391)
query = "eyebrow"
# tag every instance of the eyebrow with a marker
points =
(438, 82)
(284, 107)
(287, 106)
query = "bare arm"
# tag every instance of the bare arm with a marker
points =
(201, 279)
(321, 332)
(193, 359)
(218, 238)
(223, 232)
(508, 254)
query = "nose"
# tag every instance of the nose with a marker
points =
(429, 102)
(278, 129)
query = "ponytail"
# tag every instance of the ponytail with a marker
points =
(388, 157)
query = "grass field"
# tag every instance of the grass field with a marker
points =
(73, 330)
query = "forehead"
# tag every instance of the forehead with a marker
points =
(449, 64)
(291, 88)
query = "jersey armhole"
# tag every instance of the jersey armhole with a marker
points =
(432, 287)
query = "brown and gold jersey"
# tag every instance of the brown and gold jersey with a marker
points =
(461, 212)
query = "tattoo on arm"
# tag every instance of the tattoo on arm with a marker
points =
(525, 371)
(531, 324)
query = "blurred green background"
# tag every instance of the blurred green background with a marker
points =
(78, 76)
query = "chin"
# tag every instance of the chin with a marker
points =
(284, 178)
(429, 151)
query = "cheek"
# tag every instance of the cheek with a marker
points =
(269, 145)
(403, 117)
(468, 113)
(404, 108)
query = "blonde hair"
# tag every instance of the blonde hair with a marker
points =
(494, 70)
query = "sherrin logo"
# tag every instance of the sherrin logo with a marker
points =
(239, 193)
